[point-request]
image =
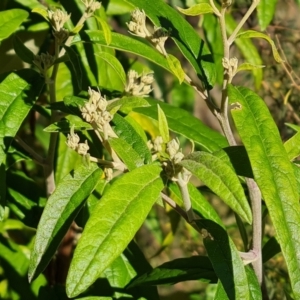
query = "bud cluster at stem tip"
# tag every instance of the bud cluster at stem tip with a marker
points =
(73, 143)
(95, 109)
(139, 85)
(137, 26)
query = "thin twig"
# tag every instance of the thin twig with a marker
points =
(36, 157)
(243, 21)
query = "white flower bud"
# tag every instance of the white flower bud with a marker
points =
(83, 148)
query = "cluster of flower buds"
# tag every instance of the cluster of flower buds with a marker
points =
(139, 85)
(230, 66)
(91, 6)
(137, 26)
(94, 111)
(43, 62)
(173, 150)
(73, 143)
(58, 18)
(171, 166)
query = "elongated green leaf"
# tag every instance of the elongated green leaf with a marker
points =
(60, 211)
(225, 260)
(10, 20)
(128, 44)
(255, 34)
(221, 179)
(197, 9)
(254, 287)
(272, 171)
(180, 121)
(114, 63)
(75, 63)
(22, 51)
(119, 274)
(184, 35)
(105, 28)
(127, 104)
(113, 224)
(177, 270)
(175, 67)
(18, 92)
(265, 12)
(163, 124)
(127, 154)
(292, 146)
(297, 175)
(125, 131)
(247, 66)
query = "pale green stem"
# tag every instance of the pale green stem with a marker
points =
(254, 255)
(182, 184)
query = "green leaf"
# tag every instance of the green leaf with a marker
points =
(254, 287)
(67, 123)
(292, 146)
(127, 104)
(175, 67)
(255, 34)
(105, 28)
(184, 35)
(18, 92)
(197, 9)
(75, 63)
(128, 155)
(114, 63)
(182, 122)
(138, 129)
(10, 20)
(178, 270)
(297, 175)
(128, 44)
(248, 67)
(248, 50)
(163, 125)
(225, 260)
(42, 11)
(221, 179)
(272, 171)
(22, 51)
(119, 274)
(126, 132)
(113, 224)
(265, 12)
(60, 211)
